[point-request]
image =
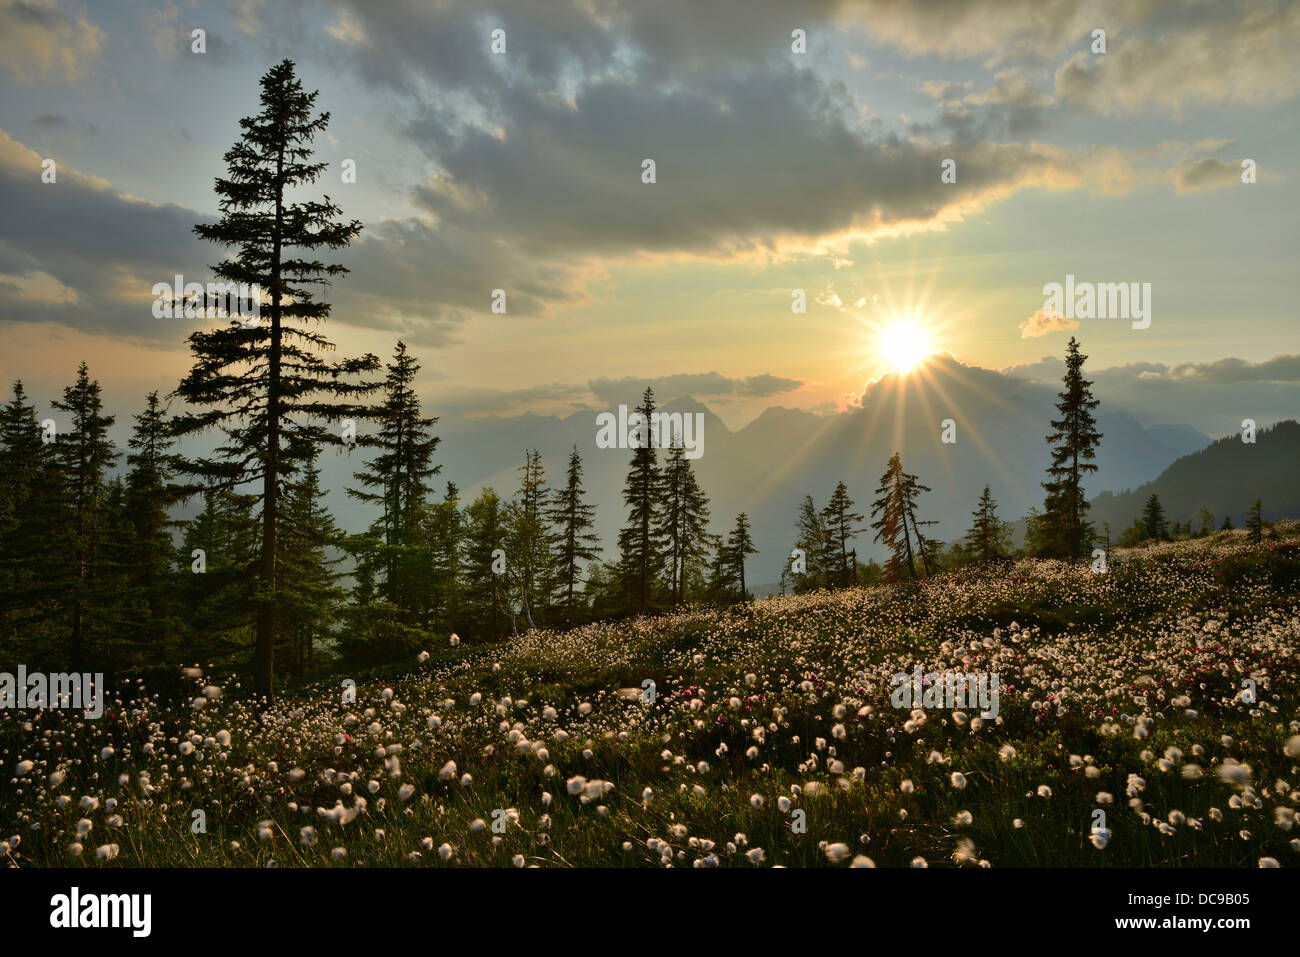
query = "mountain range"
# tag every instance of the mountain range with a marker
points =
(766, 467)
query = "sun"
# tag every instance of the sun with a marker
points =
(904, 345)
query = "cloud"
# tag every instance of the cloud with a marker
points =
(1041, 324)
(478, 401)
(965, 28)
(614, 391)
(78, 252)
(1278, 369)
(40, 42)
(541, 149)
(1238, 53)
(1205, 174)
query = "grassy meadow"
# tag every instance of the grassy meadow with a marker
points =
(771, 738)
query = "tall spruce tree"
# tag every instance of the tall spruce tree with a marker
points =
(684, 520)
(265, 384)
(444, 531)
(487, 595)
(27, 500)
(531, 542)
(1074, 441)
(573, 518)
(820, 552)
(83, 455)
(841, 523)
(309, 597)
(147, 552)
(739, 544)
(640, 546)
(397, 479)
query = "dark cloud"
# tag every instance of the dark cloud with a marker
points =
(107, 248)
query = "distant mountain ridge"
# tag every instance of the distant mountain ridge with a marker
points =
(1226, 478)
(766, 467)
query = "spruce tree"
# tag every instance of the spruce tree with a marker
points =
(988, 538)
(531, 542)
(640, 547)
(1074, 442)
(217, 565)
(264, 383)
(573, 518)
(685, 520)
(147, 551)
(1153, 519)
(445, 540)
(841, 522)
(397, 479)
(820, 552)
(83, 456)
(486, 597)
(309, 597)
(1255, 522)
(740, 544)
(27, 500)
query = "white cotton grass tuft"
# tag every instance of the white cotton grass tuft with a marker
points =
(1233, 772)
(106, 852)
(862, 861)
(455, 640)
(837, 852)
(958, 780)
(445, 851)
(964, 853)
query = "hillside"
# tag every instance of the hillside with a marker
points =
(1226, 478)
(773, 737)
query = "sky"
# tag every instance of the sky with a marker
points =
(779, 166)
